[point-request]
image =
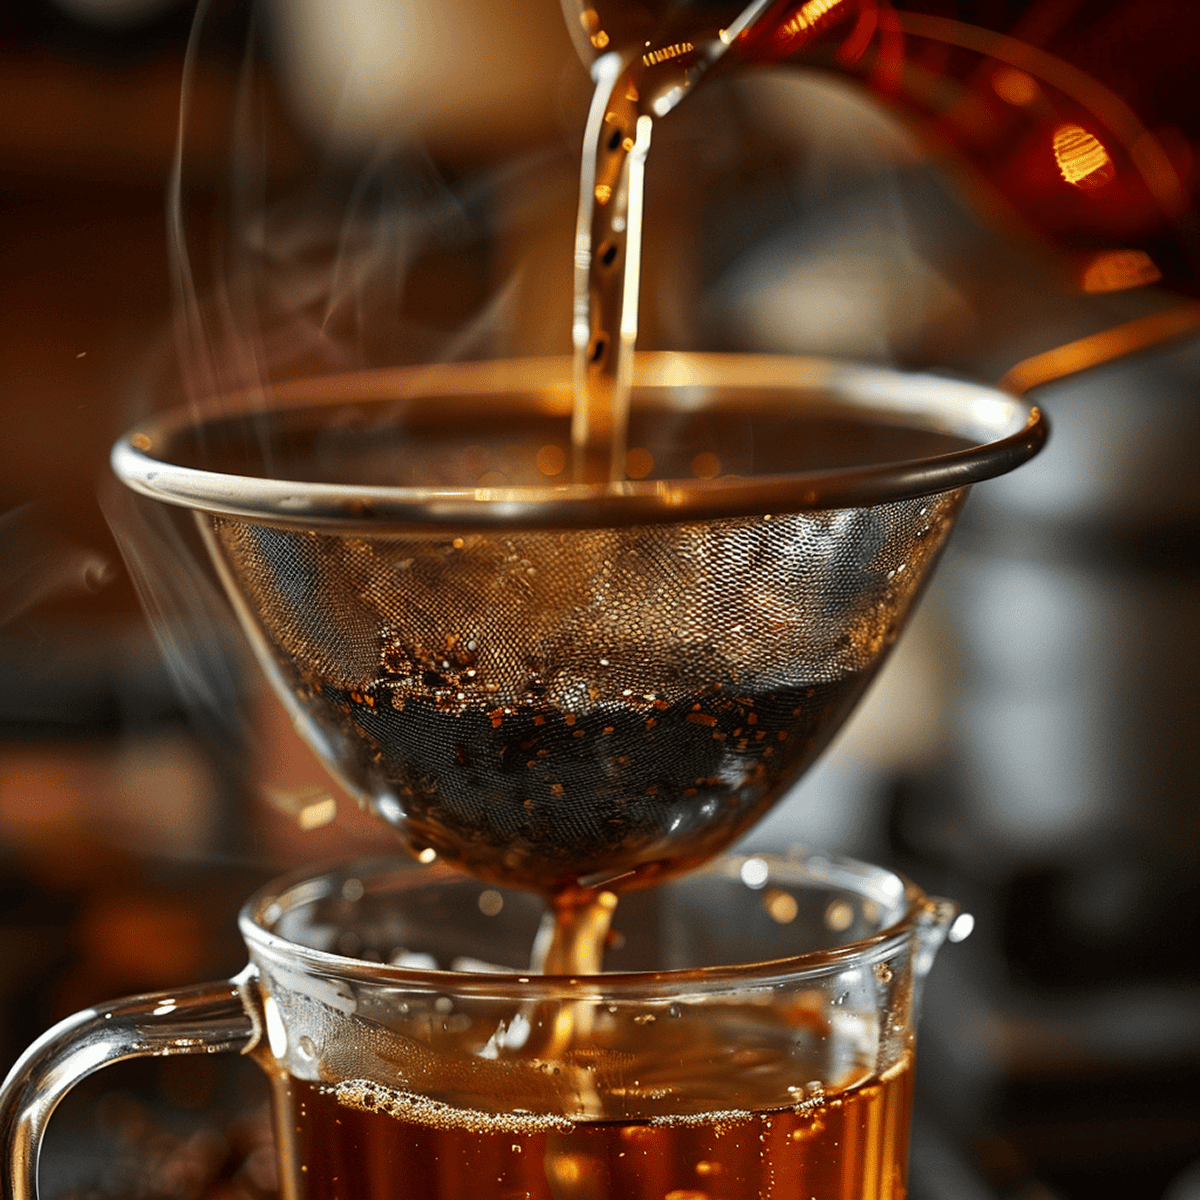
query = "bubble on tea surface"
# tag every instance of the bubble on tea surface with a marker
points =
(367, 1096)
(720, 1121)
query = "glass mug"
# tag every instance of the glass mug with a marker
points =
(753, 1034)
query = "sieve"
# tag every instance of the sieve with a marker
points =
(554, 685)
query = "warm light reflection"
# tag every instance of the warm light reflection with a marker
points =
(1014, 87)
(310, 805)
(666, 53)
(1116, 270)
(1157, 170)
(567, 1170)
(1081, 157)
(1097, 348)
(706, 465)
(781, 906)
(805, 18)
(599, 40)
(839, 916)
(603, 193)
(314, 816)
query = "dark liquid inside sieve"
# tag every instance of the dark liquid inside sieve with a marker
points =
(622, 795)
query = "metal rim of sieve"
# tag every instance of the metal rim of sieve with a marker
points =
(1006, 431)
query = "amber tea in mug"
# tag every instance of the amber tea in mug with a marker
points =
(752, 1035)
(364, 1142)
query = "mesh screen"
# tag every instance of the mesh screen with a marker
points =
(584, 705)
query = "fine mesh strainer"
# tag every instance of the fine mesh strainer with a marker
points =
(559, 684)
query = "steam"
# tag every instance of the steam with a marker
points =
(188, 617)
(311, 263)
(201, 648)
(292, 259)
(39, 564)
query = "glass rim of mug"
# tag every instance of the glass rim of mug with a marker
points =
(910, 907)
(1005, 430)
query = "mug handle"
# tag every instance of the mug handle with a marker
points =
(207, 1018)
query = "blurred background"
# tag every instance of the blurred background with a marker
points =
(392, 181)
